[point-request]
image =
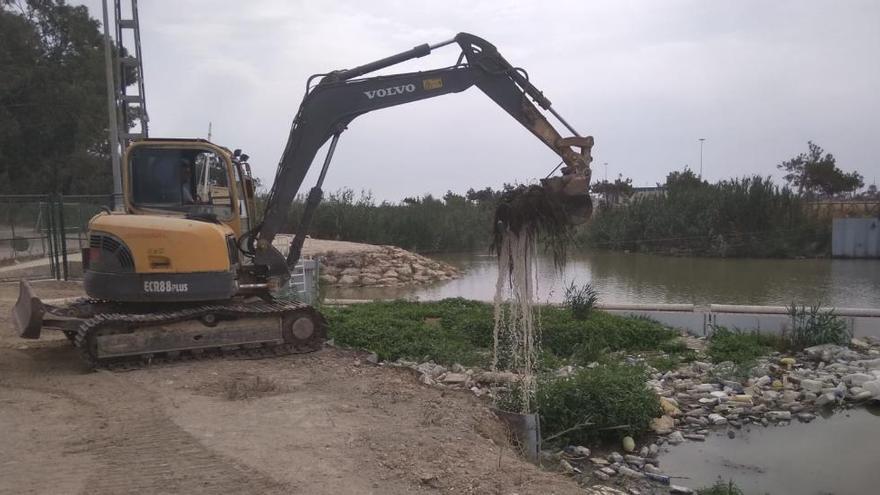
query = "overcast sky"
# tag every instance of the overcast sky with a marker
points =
(757, 79)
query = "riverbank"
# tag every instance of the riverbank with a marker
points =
(695, 397)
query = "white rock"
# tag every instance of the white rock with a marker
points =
(675, 438)
(717, 419)
(872, 364)
(455, 378)
(779, 415)
(873, 386)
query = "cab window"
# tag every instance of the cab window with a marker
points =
(191, 181)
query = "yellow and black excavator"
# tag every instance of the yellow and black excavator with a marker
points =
(186, 268)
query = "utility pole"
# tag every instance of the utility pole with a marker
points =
(209, 131)
(111, 107)
(701, 157)
(606, 171)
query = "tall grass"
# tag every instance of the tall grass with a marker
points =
(814, 326)
(740, 217)
(424, 224)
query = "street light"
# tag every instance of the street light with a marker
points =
(701, 157)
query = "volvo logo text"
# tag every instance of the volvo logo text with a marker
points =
(393, 90)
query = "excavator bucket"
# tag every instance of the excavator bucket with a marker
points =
(573, 191)
(27, 314)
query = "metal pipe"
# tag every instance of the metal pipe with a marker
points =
(559, 117)
(253, 286)
(441, 44)
(111, 108)
(419, 51)
(327, 159)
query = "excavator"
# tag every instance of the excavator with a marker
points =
(185, 269)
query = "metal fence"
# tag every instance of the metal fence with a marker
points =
(855, 238)
(42, 235)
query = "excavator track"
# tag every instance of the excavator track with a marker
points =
(252, 330)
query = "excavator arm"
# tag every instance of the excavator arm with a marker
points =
(340, 96)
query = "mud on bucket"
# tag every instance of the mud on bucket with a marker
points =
(525, 431)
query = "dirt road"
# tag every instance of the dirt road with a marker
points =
(323, 423)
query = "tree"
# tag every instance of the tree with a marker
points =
(685, 179)
(816, 172)
(614, 192)
(53, 107)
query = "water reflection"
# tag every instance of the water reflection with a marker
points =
(833, 454)
(640, 278)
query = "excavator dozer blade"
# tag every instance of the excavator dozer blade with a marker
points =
(27, 314)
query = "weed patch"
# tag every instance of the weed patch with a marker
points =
(605, 401)
(460, 331)
(741, 348)
(721, 488)
(812, 326)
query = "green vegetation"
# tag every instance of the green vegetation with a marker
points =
(580, 300)
(423, 224)
(721, 488)
(813, 326)
(585, 341)
(449, 331)
(816, 175)
(740, 217)
(605, 401)
(460, 330)
(53, 107)
(741, 348)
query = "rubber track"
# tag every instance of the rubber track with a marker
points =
(130, 322)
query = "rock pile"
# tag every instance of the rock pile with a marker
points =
(383, 266)
(776, 391)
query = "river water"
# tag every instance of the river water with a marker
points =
(836, 454)
(644, 279)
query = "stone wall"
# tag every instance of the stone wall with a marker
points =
(383, 266)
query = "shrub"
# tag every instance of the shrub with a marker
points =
(580, 300)
(740, 347)
(812, 326)
(749, 216)
(605, 401)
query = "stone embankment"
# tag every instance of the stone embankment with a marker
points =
(353, 264)
(698, 397)
(386, 266)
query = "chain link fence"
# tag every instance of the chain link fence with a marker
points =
(42, 235)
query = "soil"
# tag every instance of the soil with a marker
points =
(320, 423)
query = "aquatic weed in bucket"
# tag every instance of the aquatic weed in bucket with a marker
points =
(524, 216)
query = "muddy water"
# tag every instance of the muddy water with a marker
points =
(639, 278)
(838, 454)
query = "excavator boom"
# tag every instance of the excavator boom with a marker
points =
(340, 96)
